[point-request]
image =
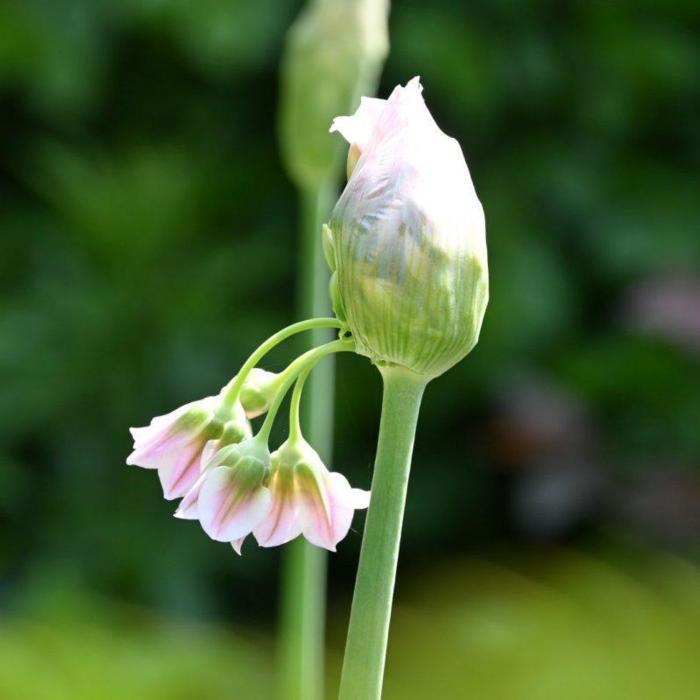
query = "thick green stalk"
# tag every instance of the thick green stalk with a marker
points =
(304, 566)
(365, 651)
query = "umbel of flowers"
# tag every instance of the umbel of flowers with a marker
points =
(407, 252)
(206, 454)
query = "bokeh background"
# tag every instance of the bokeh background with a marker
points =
(147, 243)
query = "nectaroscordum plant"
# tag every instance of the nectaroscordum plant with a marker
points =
(409, 287)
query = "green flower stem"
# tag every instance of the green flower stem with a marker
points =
(234, 387)
(294, 420)
(302, 365)
(303, 602)
(365, 651)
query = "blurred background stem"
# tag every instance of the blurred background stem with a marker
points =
(302, 632)
(368, 633)
(334, 53)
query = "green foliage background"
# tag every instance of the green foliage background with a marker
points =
(147, 243)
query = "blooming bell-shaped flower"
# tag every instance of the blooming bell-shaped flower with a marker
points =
(307, 499)
(406, 241)
(173, 444)
(244, 489)
(231, 498)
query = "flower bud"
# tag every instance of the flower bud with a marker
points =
(406, 240)
(258, 391)
(334, 53)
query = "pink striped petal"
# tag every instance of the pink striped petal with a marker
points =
(211, 457)
(188, 508)
(281, 523)
(231, 504)
(180, 475)
(169, 430)
(344, 501)
(315, 505)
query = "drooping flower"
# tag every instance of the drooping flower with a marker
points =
(406, 240)
(173, 443)
(307, 499)
(244, 489)
(232, 499)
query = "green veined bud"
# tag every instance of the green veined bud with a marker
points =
(406, 240)
(258, 391)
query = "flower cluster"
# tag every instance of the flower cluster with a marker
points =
(205, 453)
(407, 251)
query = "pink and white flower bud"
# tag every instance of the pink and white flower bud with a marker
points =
(173, 443)
(307, 499)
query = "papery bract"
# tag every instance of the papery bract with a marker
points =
(406, 241)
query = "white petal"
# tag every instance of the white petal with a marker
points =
(344, 501)
(281, 523)
(210, 449)
(188, 510)
(181, 471)
(225, 511)
(316, 509)
(357, 129)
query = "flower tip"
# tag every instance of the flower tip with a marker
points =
(238, 546)
(360, 498)
(336, 124)
(415, 84)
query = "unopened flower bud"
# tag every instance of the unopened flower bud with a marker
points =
(334, 53)
(258, 391)
(406, 240)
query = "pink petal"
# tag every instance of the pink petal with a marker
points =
(328, 509)
(237, 545)
(357, 129)
(156, 446)
(157, 452)
(179, 476)
(210, 449)
(344, 501)
(228, 512)
(188, 510)
(281, 523)
(315, 502)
